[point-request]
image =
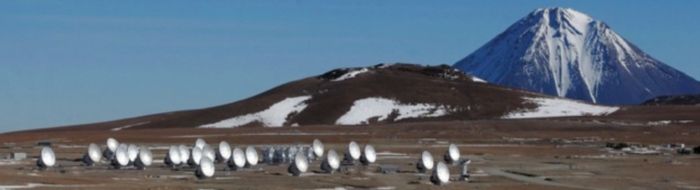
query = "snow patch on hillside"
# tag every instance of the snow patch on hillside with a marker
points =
(275, 116)
(130, 126)
(351, 74)
(381, 108)
(477, 79)
(554, 107)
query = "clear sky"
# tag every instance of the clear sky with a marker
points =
(70, 62)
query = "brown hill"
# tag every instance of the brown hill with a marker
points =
(369, 95)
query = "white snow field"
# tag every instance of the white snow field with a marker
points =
(351, 74)
(555, 107)
(274, 116)
(363, 110)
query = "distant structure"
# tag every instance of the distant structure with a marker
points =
(144, 159)
(121, 157)
(185, 153)
(195, 157)
(251, 156)
(318, 148)
(18, 156)
(223, 153)
(299, 166)
(238, 159)
(452, 155)
(205, 169)
(425, 162)
(353, 153)
(331, 163)
(172, 158)
(47, 158)
(441, 174)
(369, 156)
(93, 155)
(112, 145)
(464, 175)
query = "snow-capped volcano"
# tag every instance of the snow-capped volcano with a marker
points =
(563, 52)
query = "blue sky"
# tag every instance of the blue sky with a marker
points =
(70, 62)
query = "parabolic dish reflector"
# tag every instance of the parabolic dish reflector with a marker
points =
(317, 147)
(224, 151)
(209, 152)
(291, 152)
(441, 174)
(369, 156)
(331, 163)
(122, 155)
(299, 166)
(112, 144)
(47, 158)
(238, 159)
(453, 154)
(195, 157)
(184, 153)
(94, 153)
(354, 150)
(269, 155)
(251, 156)
(173, 157)
(205, 169)
(426, 162)
(200, 143)
(145, 158)
(133, 152)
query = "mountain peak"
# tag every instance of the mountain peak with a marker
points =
(561, 17)
(563, 52)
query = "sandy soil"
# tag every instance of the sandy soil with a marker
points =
(514, 154)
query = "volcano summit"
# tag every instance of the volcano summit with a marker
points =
(563, 52)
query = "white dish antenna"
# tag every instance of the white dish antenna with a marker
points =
(133, 152)
(112, 145)
(441, 174)
(269, 155)
(251, 156)
(184, 153)
(144, 159)
(47, 158)
(121, 156)
(238, 159)
(291, 152)
(93, 155)
(353, 152)
(310, 155)
(299, 165)
(205, 169)
(369, 156)
(331, 163)
(209, 152)
(200, 143)
(452, 155)
(318, 148)
(426, 162)
(196, 156)
(172, 159)
(224, 152)
(280, 155)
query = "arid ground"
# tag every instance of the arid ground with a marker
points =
(564, 153)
